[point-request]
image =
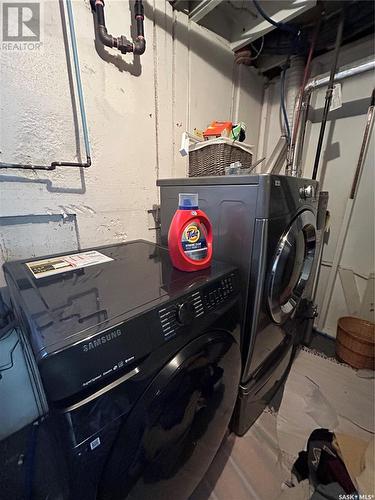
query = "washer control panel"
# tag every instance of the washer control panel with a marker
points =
(183, 312)
(215, 295)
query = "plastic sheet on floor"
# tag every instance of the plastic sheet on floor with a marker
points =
(323, 393)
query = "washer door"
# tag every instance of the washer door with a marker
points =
(166, 445)
(291, 266)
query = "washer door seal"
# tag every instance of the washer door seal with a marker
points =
(291, 266)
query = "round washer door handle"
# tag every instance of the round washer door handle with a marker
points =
(185, 313)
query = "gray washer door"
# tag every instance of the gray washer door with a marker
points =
(291, 266)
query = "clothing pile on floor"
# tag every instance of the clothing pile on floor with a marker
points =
(329, 406)
(334, 465)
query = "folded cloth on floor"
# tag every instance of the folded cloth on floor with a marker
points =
(323, 462)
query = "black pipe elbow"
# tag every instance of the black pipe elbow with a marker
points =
(139, 46)
(106, 39)
(121, 43)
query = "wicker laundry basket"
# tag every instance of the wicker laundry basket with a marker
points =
(355, 342)
(211, 157)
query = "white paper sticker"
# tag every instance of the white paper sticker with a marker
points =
(336, 102)
(94, 444)
(56, 265)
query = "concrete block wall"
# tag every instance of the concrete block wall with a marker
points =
(137, 109)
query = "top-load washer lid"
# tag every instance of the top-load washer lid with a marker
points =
(84, 324)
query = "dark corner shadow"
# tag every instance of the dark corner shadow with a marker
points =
(213, 53)
(119, 60)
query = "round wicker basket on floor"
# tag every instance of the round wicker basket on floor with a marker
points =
(355, 342)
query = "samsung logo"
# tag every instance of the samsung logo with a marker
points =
(101, 340)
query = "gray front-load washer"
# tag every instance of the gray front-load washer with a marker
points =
(266, 226)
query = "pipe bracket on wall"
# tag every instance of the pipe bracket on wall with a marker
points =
(121, 43)
(55, 164)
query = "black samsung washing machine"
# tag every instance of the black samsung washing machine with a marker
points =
(140, 365)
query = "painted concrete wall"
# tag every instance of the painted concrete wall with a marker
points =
(137, 109)
(344, 133)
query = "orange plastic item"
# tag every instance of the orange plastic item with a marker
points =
(217, 129)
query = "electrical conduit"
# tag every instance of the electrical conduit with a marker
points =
(55, 164)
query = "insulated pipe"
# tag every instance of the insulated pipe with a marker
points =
(294, 77)
(55, 164)
(329, 93)
(121, 43)
(290, 159)
(298, 147)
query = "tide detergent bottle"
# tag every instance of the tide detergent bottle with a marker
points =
(190, 236)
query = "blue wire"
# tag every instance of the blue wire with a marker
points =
(296, 32)
(282, 103)
(283, 26)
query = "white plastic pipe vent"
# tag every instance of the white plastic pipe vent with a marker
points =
(294, 77)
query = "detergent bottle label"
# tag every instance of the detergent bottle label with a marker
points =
(193, 241)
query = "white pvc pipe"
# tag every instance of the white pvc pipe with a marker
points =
(346, 72)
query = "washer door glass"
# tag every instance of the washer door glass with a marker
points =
(291, 266)
(168, 441)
